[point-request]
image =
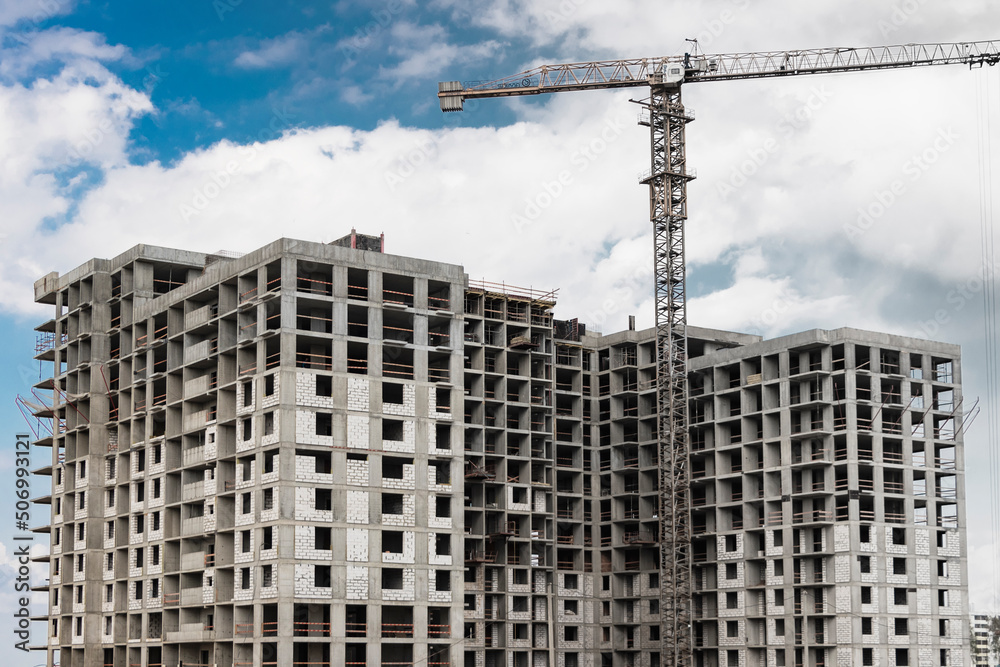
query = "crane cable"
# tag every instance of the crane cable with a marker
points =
(984, 99)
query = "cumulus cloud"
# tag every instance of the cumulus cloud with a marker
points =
(425, 51)
(581, 29)
(557, 193)
(279, 51)
(25, 51)
(767, 305)
(53, 130)
(983, 594)
(419, 186)
(15, 12)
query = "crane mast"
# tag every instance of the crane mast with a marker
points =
(667, 179)
(667, 182)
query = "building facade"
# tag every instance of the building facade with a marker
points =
(980, 640)
(829, 501)
(321, 454)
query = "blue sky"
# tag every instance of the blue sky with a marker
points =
(224, 70)
(224, 124)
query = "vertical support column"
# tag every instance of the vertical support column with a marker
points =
(667, 182)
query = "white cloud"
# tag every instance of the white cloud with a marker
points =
(57, 123)
(431, 60)
(418, 186)
(52, 128)
(13, 12)
(584, 29)
(767, 306)
(286, 49)
(26, 50)
(355, 95)
(493, 188)
(82, 113)
(983, 594)
(425, 51)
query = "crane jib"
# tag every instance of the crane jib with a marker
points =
(698, 67)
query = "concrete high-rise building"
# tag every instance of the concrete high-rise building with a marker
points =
(980, 640)
(321, 454)
(829, 501)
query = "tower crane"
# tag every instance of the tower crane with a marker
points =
(665, 115)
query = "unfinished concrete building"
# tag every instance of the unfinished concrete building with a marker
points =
(980, 640)
(829, 495)
(320, 454)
